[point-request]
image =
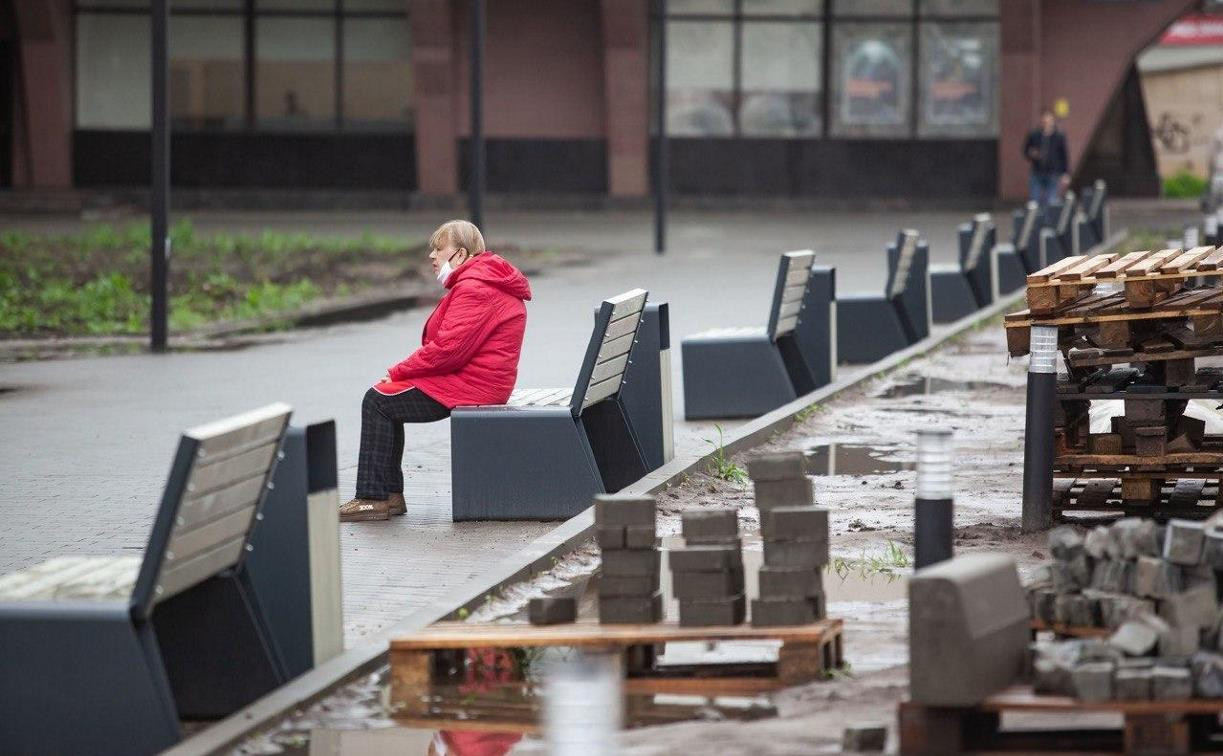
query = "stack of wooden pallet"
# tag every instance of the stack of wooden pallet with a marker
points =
(1133, 327)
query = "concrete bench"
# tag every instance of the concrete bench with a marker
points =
(646, 393)
(547, 453)
(872, 326)
(1015, 259)
(1095, 210)
(133, 645)
(964, 287)
(745, 372)
(1065, 218)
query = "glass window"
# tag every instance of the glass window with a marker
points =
(874, 8)
(295, 72)
(113, 85)
(700, 78)
(871, 79)
(207, 86)
(780, 92)
(312, 6)
(959, 75)
(783, 7)
(399, 7)
(700, 7)
(377, 73)
(959, 7)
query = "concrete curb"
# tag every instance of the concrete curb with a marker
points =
(537, 556)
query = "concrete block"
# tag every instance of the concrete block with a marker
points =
(552, 610)
(1123, 608)
(1147, 539)
(1080, 570)
(707, 585)
(712, 612)
(785, 582)
(624, 509)
(628, 585)
(710, 526)
(610, 537)
(1040, 578)
(777, 466)
(968, 629)
(1072, 609)
(630, 610)
(800, 554)
(806, 523)
(770, 612)
(1179, 641)
(1184, 542)
(1135, 637)
(795, 492)
(1156, 578)
(1045, 604)
(1095, 543)
(1212, 552)
(631, 562)
(640, 536)
(1196, 607)
(1132, 684)
(1093, 681)
(1052, 677)
(1065, 543)
(706, 558)
(1111, 576)
(1207, 668)
(1171, 683)
(862, 737)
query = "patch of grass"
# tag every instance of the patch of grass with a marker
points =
(808, 411)
(843, 672)
(892, 559)
(1184, 185)
(721, 466)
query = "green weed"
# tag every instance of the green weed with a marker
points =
(892, 559)
(721, 466)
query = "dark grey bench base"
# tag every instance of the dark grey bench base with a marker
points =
(868, 329)
(950, 295)
(1012, 275)
(733, 372)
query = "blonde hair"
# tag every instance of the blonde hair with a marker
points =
(460, 233)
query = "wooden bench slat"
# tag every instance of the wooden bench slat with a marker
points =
(976, 246)
(197, 509)
(621, 327)
(240, 430)
(789, 309)
(524, 397)
(785, 325)
(1185, 260)
(612, 367)
(1123, 263)
(617, 346)
(213, 477)
(1212, 261)
(181, 576)
(597, 392)
(627, 303)
(559, 396)
(793, 293)
(1047, 272)
(797, 277)
(187, 542)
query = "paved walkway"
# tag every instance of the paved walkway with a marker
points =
(86, 443)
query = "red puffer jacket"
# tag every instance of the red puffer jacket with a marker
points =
(472, 341)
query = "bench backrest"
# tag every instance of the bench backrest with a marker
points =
(901, 271)
(1025, 225)
(1095, 202)
(981, 229)
(793, 273)
(212, 498)
(1070, 204)
(609, 350)
(909, 282)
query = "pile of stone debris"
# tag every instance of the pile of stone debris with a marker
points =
(1156, 587)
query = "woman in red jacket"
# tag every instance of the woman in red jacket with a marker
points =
(468, 355)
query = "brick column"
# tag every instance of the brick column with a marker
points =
(626, 53)
(1019, 97)
(42, 155)
(433, 65)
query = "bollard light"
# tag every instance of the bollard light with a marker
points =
(1192, 237)
(933, 511)
(583, 705)
(1038, 430)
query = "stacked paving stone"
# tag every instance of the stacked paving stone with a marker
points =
(1156, 587)
(795, 534)
(629, 584)
(707, 572)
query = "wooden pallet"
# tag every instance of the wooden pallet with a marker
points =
(808, 652)
(1146, 277)
(1070, 631)
(1180, 498)
(1164, 727)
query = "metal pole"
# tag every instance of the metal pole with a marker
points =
(159, 191)
(475, 188)
(662, 161)
(933, 529)
(1038, 431)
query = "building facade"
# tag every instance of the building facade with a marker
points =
(905, 99)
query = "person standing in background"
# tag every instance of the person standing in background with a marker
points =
(1045, 149)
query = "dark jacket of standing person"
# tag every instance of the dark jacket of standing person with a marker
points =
(1047, 152)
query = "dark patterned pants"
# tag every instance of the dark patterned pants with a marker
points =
(380, 463)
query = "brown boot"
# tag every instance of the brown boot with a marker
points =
(362, 510)
(395, 504)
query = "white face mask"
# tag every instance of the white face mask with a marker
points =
(444, 272)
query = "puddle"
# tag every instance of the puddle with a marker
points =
(918, 385)
(851, 459)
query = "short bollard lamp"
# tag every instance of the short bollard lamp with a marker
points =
(934, 507)
(1038, 430)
